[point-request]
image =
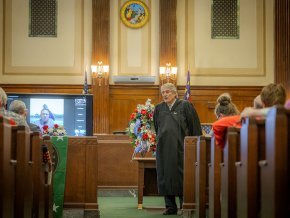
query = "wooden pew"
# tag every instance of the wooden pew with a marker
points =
(188, 206)
(39, 200)
(23, 173)
(275, 167)
(202, 171)
(214, 180)
(228, 173)
(7, 170)
(252, 138)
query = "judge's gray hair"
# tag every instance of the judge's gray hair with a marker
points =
(17, 107)
(3, 98)
(170, 87)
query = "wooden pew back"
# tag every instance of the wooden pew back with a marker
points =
(231, 154)
(190, 143)
(214, 180)
(252, 139)
(7, 170)
(202, 161)
(38, 175)
(24, 174)
(275, 167)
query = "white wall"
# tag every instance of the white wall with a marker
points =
(62, 60)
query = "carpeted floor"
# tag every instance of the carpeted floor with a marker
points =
(126, 207)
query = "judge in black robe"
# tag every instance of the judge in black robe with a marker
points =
(173, 120)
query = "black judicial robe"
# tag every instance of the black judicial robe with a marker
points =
(171, 127)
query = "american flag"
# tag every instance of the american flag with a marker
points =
(187, 88)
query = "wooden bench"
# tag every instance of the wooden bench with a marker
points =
(275, 167)
(248, 174)
(23, 173)
(201, 170)
(228, 173)
(7, 170)
(38, 176)
(188, 206)
(214, 182)
(250, 177)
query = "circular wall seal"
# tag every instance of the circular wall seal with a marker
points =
(134, 14)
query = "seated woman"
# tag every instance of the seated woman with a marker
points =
(272, 94)
(227, 115)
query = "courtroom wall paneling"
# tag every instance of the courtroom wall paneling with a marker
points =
(123, 102)
(124, 99)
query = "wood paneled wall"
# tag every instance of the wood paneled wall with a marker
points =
(282, 43)
(123, 99)
(101, 31)
(168, 31)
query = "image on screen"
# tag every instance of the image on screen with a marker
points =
(46, 112)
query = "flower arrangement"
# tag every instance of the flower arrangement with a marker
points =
(141, 129)
(56, 130)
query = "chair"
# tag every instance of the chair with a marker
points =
(206, 128)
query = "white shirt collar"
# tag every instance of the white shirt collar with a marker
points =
(171, 105)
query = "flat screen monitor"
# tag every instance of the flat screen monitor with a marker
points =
(74, 112)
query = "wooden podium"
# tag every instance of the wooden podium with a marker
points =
(147, 185)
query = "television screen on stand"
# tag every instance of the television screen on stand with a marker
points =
(74, 112)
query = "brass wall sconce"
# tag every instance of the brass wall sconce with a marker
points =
(168, 74)
(101, 72)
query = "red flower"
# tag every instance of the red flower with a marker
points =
(56, 126)
(45, 127)
(143, 112)
(133, 116)
(145, 136)
(12, 122)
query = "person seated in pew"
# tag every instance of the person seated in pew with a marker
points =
(258, 102)
(225, 106)
(287, 104)
(19, 120)
(8, 120)
(271, 95)
(19, 107)
(227, 114)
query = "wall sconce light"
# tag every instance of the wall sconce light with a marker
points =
(168, 74)
(100, 71)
